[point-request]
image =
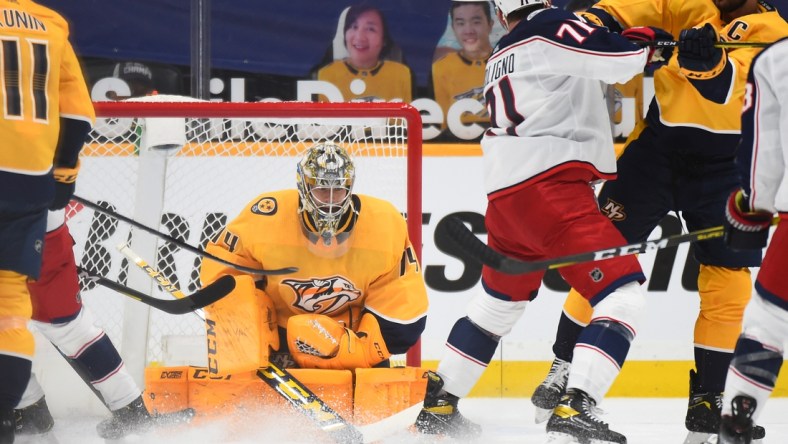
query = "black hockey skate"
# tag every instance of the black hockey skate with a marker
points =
(703, 415)
(34, 419)
(6, 426)
(738, 428)
(131, 419)
(134, 419)
(548, 394)
(574, 416)
(440, 415)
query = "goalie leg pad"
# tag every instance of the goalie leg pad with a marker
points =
(246, 310)
(173, 389)
(384, 392)
(318, 341)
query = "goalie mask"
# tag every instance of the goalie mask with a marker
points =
(325, 182)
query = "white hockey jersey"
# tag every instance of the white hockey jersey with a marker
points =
(763, 154)
(544, 88)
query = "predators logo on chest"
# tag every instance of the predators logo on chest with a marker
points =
(323, 296)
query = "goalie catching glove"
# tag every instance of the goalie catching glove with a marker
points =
(745, 228)
(657, 55)
(318, 341)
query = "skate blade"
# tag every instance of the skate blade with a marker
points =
(39, 438)
(700, 438)
(563, 438)
(559, 438)
(184, 416)
(714, 439)
(541, 415)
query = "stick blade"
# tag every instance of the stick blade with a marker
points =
(213, 292)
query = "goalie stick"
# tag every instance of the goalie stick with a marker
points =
(455, 231)
(285, 384)
(174, 241)
(186, 304)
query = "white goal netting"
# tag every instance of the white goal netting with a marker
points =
(185, 169)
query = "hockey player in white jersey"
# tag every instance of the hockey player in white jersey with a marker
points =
(59, 315)
(762, 159)
(549, 140)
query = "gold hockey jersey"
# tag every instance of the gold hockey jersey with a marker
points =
(378, 272)
(679, 103)
(387, 81)
(455, 77)
(42, 81)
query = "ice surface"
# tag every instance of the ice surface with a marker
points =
(643, 421)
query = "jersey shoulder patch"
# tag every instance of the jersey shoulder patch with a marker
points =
(266, 206)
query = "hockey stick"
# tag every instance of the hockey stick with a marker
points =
(291, 389)
(178, 243)
(185, 304)
(722, 44)
(456, 231)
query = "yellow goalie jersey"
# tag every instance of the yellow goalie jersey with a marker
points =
(379, 272)
(679, 103)
(42, 82)
(387, 81)
(455, 77)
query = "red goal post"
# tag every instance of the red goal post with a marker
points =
(186, 167)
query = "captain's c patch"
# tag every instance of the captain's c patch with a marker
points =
(265, 206)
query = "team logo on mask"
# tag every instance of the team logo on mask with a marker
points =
(323, 296)
(265, 206)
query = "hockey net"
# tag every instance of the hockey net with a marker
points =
(186, 169)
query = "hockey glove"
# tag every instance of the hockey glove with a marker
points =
(697, 51)
(659, 54)
(65, 182)
(745, 229)
(318, 341)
